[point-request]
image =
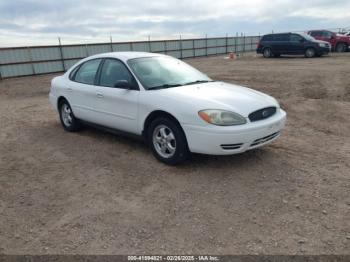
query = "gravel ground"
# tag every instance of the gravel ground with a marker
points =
(96, 193)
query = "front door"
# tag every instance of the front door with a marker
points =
(117, 107)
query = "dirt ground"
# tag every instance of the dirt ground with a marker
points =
(97, 193)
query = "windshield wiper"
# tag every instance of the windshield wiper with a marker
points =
(198, 82)
(163, 86)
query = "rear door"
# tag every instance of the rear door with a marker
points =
(81, 90)
(117, 107)
(281, 43)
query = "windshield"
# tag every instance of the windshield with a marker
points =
(308, 37)
(163, 72)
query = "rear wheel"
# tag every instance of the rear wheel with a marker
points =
(167, 141)
(341, 47)
(68, 120)
(310, 52)
(267, 52)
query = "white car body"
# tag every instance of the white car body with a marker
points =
(127, 110)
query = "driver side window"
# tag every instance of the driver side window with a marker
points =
(113, 71)
(295, 38)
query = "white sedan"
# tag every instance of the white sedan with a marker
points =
(173, 106)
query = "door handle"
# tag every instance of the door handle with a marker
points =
(99, 95)
(69, 89)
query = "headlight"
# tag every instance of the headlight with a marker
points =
(221, 117)
(322, 45)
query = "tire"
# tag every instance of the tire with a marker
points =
(267, 53)
(68, 120)
(167, 141)
(310, 53)
(341, 47)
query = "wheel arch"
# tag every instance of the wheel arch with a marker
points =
(60, 99)
(156, 114)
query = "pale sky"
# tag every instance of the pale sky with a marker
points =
(40, 22)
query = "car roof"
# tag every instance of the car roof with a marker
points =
(124, 56)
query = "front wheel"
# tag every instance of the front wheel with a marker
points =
(68, 120)
(341, 47)
(310, 52)
(167, 141)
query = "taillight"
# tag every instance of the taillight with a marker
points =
(258, 45)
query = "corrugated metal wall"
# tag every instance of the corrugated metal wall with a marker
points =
(22, 61)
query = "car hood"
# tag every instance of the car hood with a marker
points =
(219, 95)
(343, 37)
(321, 42)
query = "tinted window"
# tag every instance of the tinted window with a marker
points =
(281, 37)
(87, 72)
(295, 38)
(327, 34)
(267, 38)
(316, 33)
(114, 71)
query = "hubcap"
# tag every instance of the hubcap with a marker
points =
(310, 52)
(267, 53)
(164, 141)
(66, 115)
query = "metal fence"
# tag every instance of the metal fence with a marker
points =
(35, 60)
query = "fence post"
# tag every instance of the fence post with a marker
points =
(131, 49)
(149, 44)
(236, 43)
(86, 50)
(111, 40)
(206, 44)
(194, 49)
(181, 55)
(0, 74)
(251, 43)
(244, 43)
(165, 47)
(61, 54)
(31, 59)
(226, 43)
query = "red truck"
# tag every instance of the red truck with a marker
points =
(340, 43)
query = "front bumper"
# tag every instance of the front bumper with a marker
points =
(324, 50)
(219, 140)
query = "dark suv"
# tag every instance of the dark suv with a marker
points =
(291, 44)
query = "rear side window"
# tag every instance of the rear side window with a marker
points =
(267, 38)
(281, 37)
(87, 72)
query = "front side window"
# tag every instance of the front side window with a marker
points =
(327, 34)
(295, 38)
(87, 72)
(164, 72)
(114, 71)
(316, 33)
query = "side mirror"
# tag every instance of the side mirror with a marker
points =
(122, 84)
(332, 37)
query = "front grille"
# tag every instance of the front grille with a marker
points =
(262, 114)
(231, 146)
(264, 139)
